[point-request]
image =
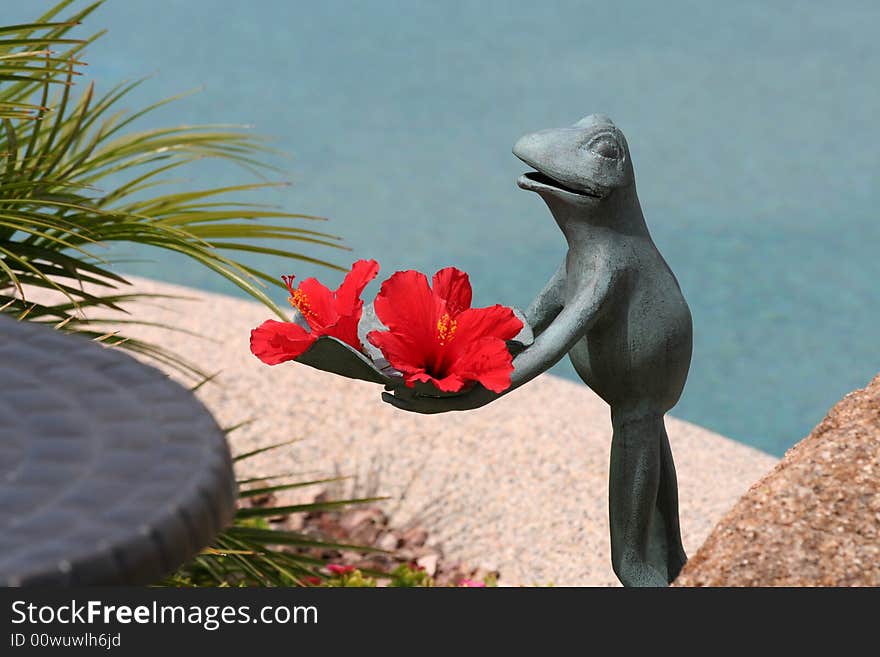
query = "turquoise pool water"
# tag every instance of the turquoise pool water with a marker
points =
(753, 128)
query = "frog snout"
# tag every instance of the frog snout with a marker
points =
(527, 148)
(542, 150)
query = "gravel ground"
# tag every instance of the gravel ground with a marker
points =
(518, 486)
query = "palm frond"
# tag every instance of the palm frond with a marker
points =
(77, 174)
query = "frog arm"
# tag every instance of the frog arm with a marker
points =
(548, 349)
(569, 326)
(548, 303)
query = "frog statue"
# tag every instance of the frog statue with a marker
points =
(616, 309)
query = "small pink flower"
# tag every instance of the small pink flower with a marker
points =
(314, 581)
(339, 569)
(471, 584)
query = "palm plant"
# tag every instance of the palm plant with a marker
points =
(75, 173)
(253, 552)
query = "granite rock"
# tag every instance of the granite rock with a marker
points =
(814, 520)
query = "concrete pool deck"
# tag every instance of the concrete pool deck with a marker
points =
(518, 486)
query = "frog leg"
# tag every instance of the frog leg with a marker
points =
(643, 500)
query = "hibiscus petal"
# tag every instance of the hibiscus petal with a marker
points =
(418, 377)
(454, 287)
(486, 361)
(318, 306)
(276, 342)
(495, 321)
(406, 306)
(449, 383)
(346, 328)
(348, 294)
(401, 351)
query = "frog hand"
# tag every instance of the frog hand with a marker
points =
(407, 399)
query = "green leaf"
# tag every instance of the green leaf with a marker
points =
(281, 537)
(253, 492)
(247, 455)
(264, 512)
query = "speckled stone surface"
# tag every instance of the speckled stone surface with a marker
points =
(519, 485)
(815, 519)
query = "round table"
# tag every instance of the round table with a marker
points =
(110, 473)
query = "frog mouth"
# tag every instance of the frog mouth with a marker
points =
(536, 181)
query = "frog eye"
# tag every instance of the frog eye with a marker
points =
(605, 146)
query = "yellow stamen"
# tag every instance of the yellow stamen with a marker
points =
(300, 301)
(446, 329)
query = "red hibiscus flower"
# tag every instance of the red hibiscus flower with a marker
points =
(435, 336)
(327, 313)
